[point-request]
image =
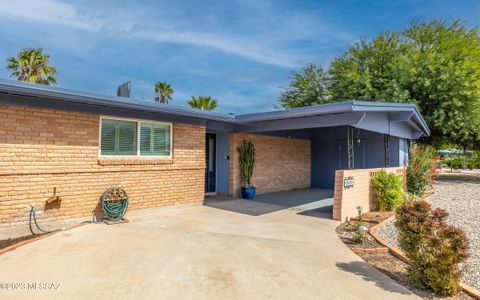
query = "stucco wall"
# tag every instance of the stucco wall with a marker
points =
(280, 163)
(43, 149)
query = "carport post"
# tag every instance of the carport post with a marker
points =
(350, 154)
(386, 141)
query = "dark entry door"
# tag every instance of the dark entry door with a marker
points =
(210, 155)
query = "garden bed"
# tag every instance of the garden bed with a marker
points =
(346, 231)
(397, 270)
(460, 196)
(384, 262)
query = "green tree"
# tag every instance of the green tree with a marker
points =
(442, 76)
(31, 65)
(306, 87)
(164, 92)
(435, 65)
(370, 70)
(203, 102)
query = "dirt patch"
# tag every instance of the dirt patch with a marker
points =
(374, 216)
(377, 216)
(397, 270)
(9, 242)
(347, 233)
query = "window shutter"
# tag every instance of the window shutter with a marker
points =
(155, 139)
(108, 138)
(145, 140)
(127, 142)
(159, 140)
(118, 137)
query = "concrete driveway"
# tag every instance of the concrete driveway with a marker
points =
(195, 252)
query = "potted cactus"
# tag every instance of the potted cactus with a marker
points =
(247, 161)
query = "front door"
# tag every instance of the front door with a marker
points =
(210, 155)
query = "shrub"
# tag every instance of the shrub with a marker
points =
(453, 162)
(457, 162)
(476, 160)
(434, 248)
(421, 169)
(388, 190)
(470, 164)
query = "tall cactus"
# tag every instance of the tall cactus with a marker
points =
(247, 160)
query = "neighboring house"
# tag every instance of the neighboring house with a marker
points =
(80, 144)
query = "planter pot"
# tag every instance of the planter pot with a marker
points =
(248, 193)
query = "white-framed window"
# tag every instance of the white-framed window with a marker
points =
(120, 137)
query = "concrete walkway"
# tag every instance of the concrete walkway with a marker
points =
(313, 201)
(196, 252)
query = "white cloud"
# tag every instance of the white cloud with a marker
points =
(48, 11)
(217, 42)
(58, 13)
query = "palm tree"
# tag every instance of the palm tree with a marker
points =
(203, 102)
(31, 65)
(164, 92)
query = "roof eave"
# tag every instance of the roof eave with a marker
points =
(307, 111)
(381, 106)
(31, 90)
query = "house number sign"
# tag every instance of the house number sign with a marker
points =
(348, 182)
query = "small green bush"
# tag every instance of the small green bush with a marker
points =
(434, 248)
(388, 190)
(476, 160)
(457, 162)
(470, 164)
(421, 169)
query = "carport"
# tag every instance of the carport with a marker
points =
(354, 135)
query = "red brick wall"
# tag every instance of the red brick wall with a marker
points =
(43, 149)
(280, 163)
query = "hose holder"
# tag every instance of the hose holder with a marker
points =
(114, 202)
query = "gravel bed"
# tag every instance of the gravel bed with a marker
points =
(460, 196)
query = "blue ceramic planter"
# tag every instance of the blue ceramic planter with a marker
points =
(248, 193)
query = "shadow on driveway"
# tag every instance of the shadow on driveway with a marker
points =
(365, 271)
(309, 202)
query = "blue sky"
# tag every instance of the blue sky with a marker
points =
(240, 52)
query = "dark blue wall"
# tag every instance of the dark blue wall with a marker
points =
(375, 152)
(324, 162)
(330, 154)
(394, 152)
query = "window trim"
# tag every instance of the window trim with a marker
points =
(139, 126)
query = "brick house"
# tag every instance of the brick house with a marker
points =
(79, 144)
